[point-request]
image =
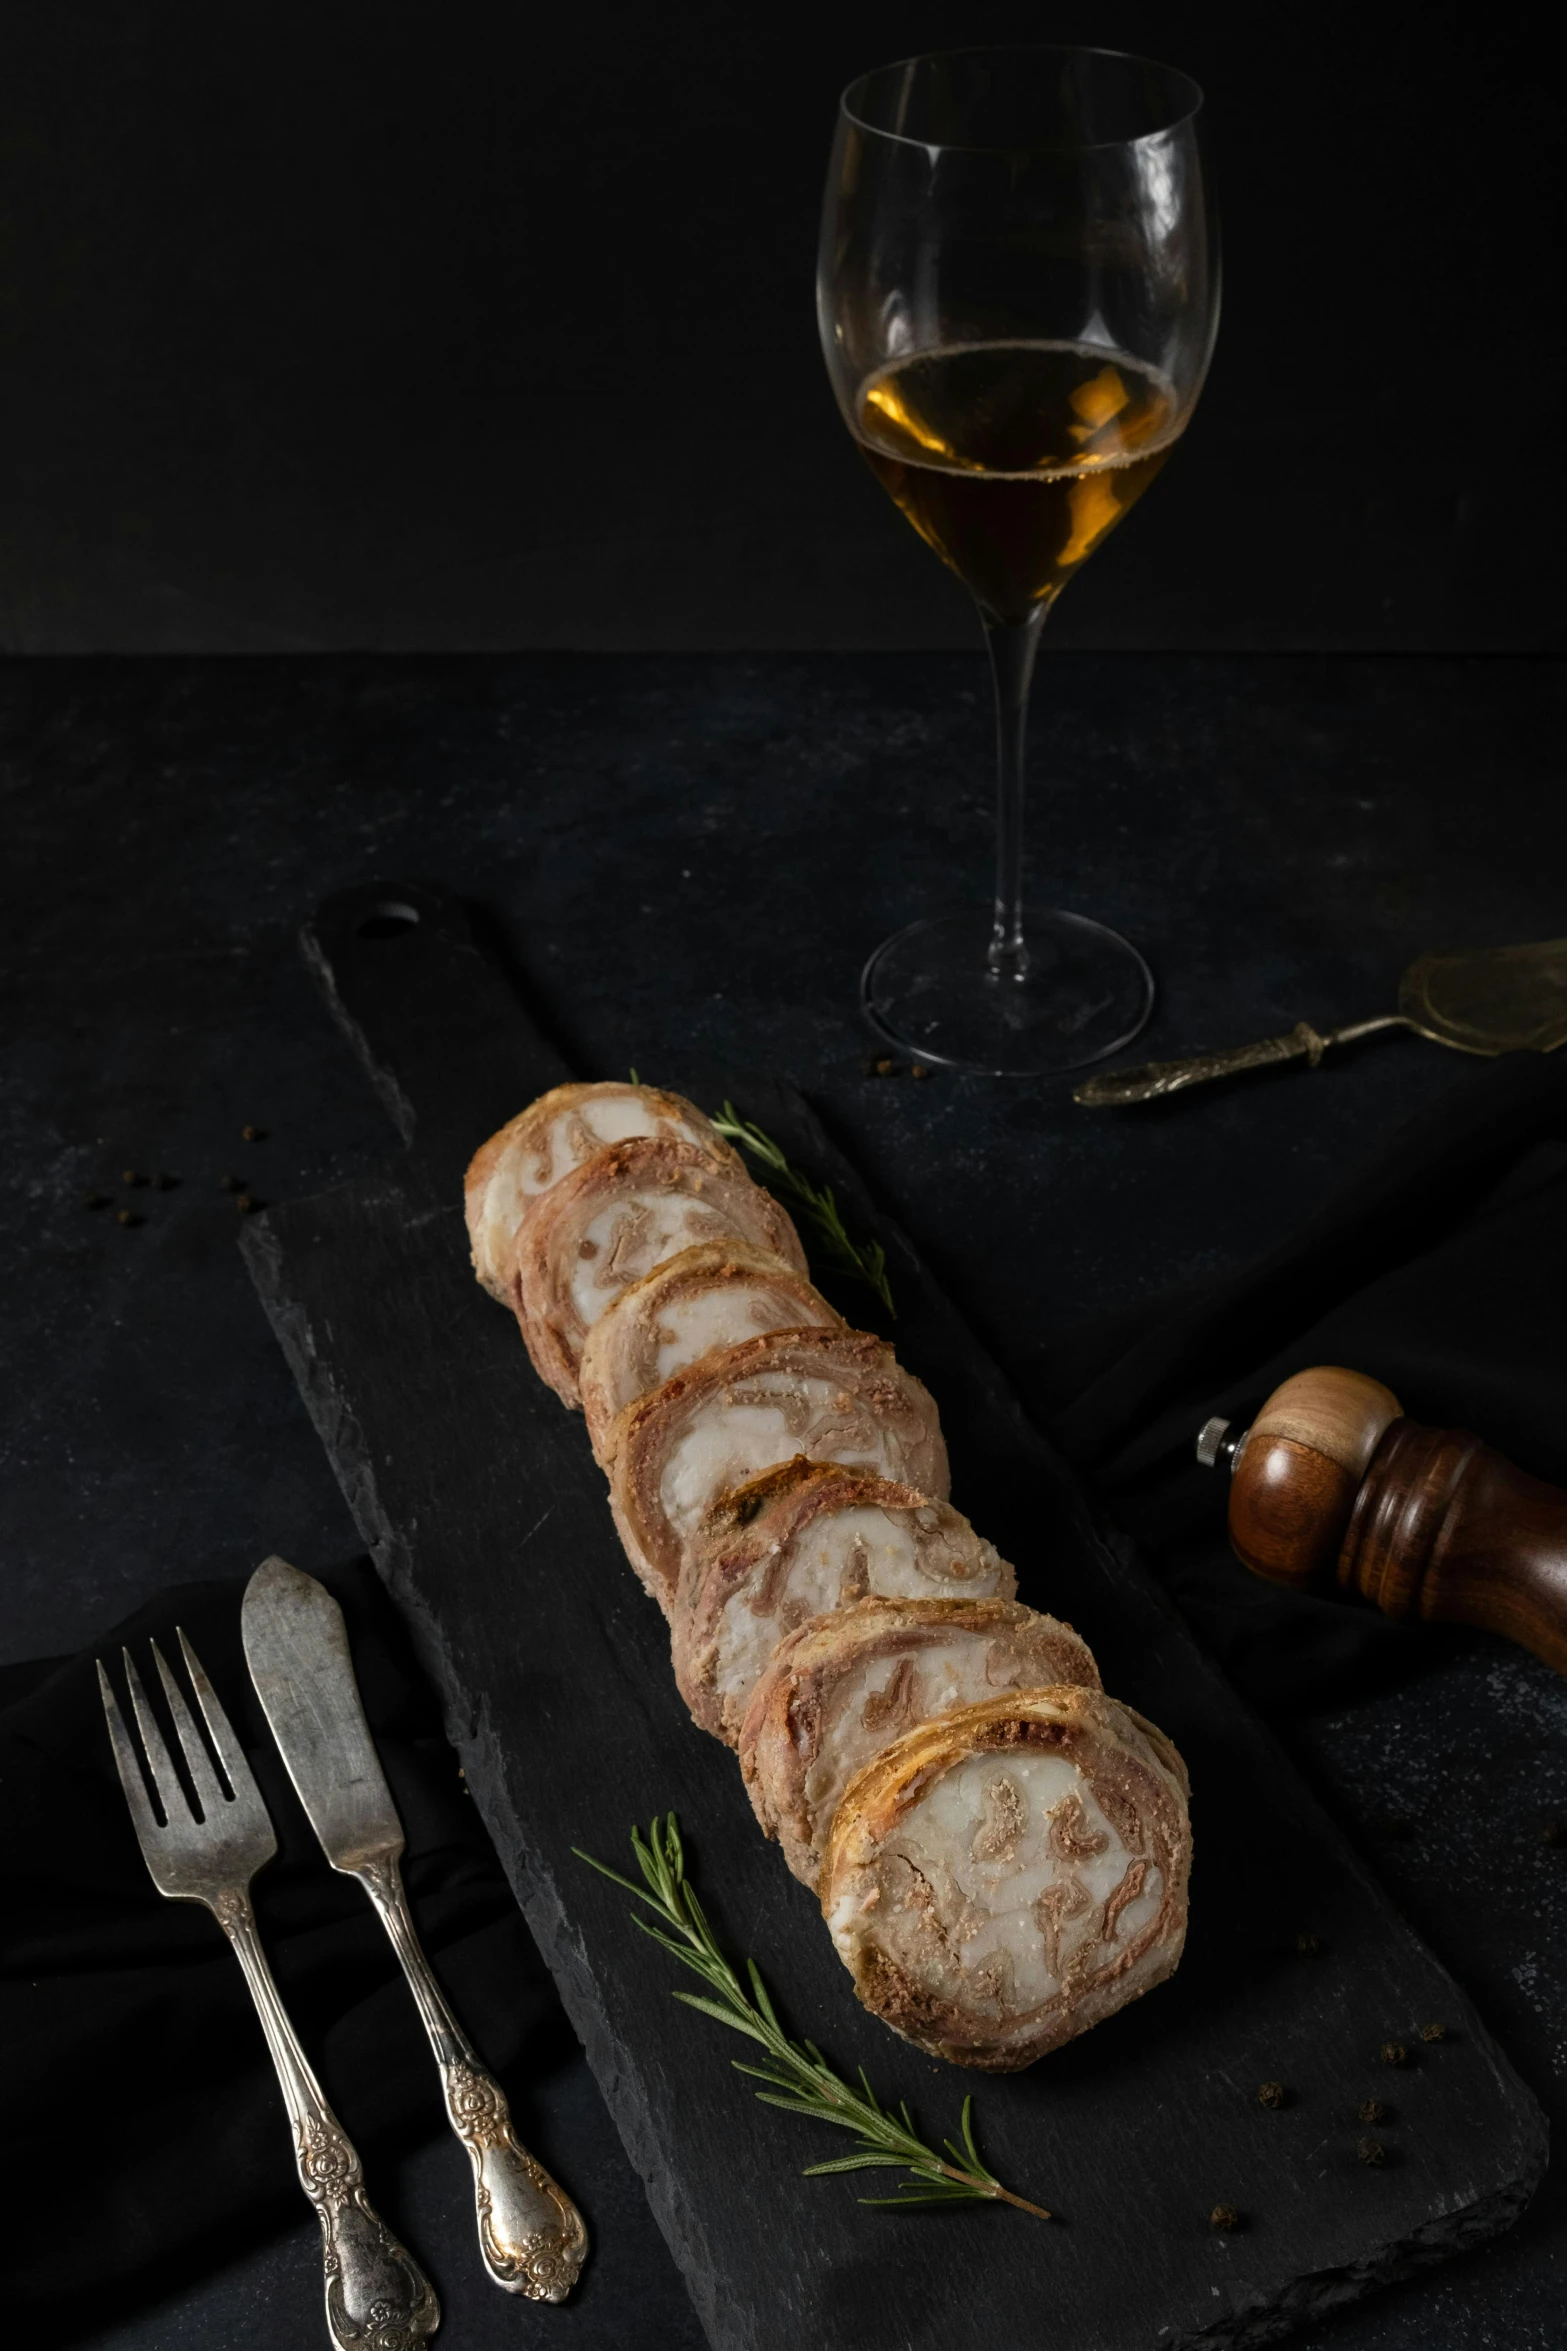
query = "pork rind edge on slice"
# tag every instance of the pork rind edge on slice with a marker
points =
(1002, 1879)
(616, 1218)
(510, 1173)
(713, 1295)
(841, 1689)
(833, 1395)
(802, 1539)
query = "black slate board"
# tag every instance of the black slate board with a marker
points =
(480, 1502)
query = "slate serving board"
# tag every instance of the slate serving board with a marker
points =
(479, 1500)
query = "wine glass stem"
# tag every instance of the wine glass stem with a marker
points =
(1013, 645)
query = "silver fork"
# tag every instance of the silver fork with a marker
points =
(377, 2298)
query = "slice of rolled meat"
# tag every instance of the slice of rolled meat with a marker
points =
(847, 1685)
(554, 1135)
(1000, 1880)
(614, 1219)
(800, 1540)
(832, 1395)
(712, 1296)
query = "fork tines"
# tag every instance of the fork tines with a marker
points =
(218, 1810)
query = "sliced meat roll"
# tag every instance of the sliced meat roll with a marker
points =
(614, 1219)
(794, 1543)
(833, 1395)
(845, 1686)
(558, 1132)
(1000, 1880)
(713, 1296)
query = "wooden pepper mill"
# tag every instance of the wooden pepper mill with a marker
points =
(1331, 1482)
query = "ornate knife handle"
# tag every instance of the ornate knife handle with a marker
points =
(1152, 1079)
(377, 2297)
(531, 2234)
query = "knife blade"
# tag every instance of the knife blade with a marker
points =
(531, 2235)
(296, 1645)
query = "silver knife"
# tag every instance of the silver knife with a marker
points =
(296, 1644)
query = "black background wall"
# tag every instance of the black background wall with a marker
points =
(468, 325)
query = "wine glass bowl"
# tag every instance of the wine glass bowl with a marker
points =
(1014, 459)
(1017, 294)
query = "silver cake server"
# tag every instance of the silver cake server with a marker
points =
(1493, 1000)
(296, 1644)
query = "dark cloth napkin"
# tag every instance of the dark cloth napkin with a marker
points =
(144, 2135)
(1439, 1266)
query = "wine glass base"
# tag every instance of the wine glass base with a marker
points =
(929, 991)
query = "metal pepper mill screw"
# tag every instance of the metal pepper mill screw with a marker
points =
(1332, 1484)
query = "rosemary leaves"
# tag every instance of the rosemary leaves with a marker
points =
(866, 1260)
(799, 2078)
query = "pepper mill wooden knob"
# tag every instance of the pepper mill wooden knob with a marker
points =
(1332, 1483)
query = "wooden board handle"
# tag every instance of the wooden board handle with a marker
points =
(430, 1014)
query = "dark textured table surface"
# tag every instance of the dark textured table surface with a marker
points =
(692, 854)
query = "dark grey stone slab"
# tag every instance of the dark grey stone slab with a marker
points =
(481, 1504)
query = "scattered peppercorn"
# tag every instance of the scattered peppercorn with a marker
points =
(1371, 2151)
(917, 1069)
(129, 1216)
(247, 1204)
(1553, 1833)
(231, 1183)
(1433, 2032)
(886, 1068)
(96, 1200)
(130, 1177)
(1393, 2053)
(1273, 2094)
(253, 1134)
(1224, 2219)
(1307, 1944)
(1372, 2111)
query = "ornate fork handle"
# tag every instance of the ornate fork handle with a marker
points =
(1152, 1079)
(531, 2234)
(377, 2297)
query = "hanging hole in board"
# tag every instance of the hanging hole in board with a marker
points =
(389, 920)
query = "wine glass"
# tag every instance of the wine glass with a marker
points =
(1018, 291)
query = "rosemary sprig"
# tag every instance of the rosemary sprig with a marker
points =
(867, 1260)
(800, 2078)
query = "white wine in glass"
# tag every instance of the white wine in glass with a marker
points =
(1018, 295)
